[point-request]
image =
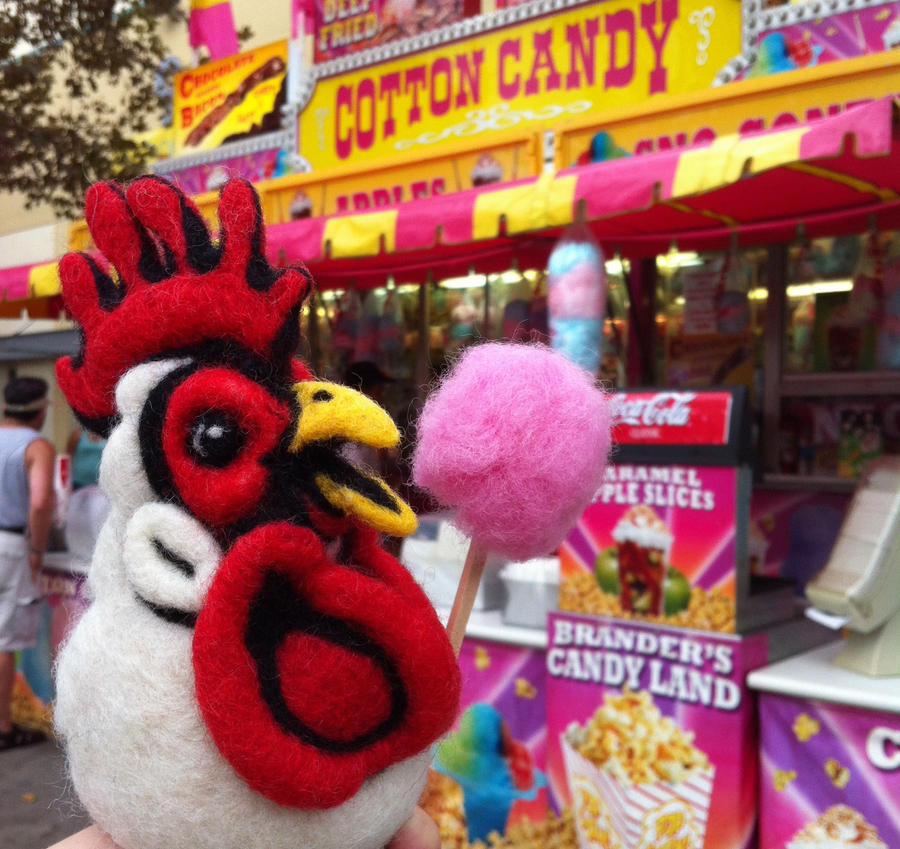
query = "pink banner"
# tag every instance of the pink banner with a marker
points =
(212, 24)
(828, 771)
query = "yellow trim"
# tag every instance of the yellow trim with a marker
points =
(730, 157)
(862, 186)
(726, 220)
(561, 200)
(348, 500)
(199, 5)
(668, 113)
(43, 280)
(547, 202)
(361, 234)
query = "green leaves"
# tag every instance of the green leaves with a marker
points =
(77, 82)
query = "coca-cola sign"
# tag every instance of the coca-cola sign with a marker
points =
(671, 418)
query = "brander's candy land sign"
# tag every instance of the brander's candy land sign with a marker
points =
(651, 734)
(574, 62)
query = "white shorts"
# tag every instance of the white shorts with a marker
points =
(20, 600)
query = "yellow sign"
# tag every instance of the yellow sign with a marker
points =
(508, 156)
(531, 76)
(234, 97)
(779, 101)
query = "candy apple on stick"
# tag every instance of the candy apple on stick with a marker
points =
(515, 439)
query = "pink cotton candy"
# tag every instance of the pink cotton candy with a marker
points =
(515, 439)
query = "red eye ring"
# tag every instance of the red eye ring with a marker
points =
(222, 492)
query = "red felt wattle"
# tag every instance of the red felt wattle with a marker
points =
(331, 685)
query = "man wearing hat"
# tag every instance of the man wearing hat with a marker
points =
(26, 514)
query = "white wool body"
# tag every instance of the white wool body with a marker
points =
(140, 756)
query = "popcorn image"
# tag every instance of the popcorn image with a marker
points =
(783, 778)
(840, 827)
(805, 727)
(637, 779)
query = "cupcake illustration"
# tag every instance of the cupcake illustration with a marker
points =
(301, 206)
(487, 170)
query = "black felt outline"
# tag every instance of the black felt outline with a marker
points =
(185, 618)
(277, 611)
(180, 563)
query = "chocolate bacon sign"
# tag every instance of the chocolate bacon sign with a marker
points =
(230, 99)
(672, 418)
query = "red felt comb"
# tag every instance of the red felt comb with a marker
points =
(177, 289)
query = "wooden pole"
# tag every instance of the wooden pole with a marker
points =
(465, 595)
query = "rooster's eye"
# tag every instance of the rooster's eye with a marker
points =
(215, 439)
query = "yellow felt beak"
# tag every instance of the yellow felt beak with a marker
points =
(329, 411)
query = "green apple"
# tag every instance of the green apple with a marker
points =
(676, 592)
(606, 568)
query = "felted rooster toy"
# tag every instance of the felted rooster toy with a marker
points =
(254, 670)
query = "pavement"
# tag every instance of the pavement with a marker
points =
(37, 805)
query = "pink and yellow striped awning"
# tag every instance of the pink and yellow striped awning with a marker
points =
(29, 281)
(835, 175)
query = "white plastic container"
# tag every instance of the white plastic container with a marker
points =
(532, 588)
(435, 555)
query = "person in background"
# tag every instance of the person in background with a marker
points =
(26, 515)
(85, 449)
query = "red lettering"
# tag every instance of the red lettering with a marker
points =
(419, 189)
(390, 85)
(621, 22)
(587, 52)
(469, 76)
(441, 69)
(667, 143)
(705, 135)
(365, 115)
(815, 113)
(643, 146)
(751, 125)
(360, 200)
(381, 197)
(343, 143)
(669, 10)
(438, 187)
(415, 80)
(785, 119)
(543, 60)
(509, 49)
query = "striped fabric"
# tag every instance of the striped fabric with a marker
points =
(637, 814)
